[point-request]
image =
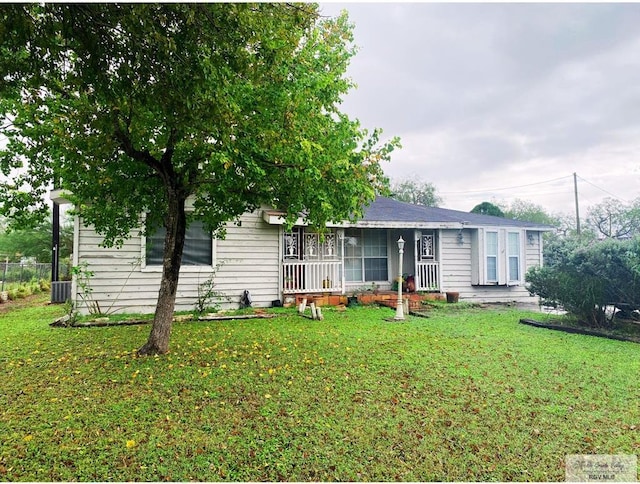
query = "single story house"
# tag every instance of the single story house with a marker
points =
(483, 258)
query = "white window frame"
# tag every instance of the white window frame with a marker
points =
(291, 244)
(312, 246)
(426, 247)
(495, 256)
(517, 256)
(144, 267)
(502, 257)
(362, 258)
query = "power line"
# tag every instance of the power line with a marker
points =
(602, 189)
(505, 188)
(520, 194)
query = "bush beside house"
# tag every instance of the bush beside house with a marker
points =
(589, 279)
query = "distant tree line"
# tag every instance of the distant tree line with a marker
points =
(17, 244)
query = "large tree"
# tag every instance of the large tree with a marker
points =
(137, 108)
(415, 191)
(528, 212)
(487, 208)
(615, 219)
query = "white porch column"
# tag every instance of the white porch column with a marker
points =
(417, 235)
(399, 306)
(340, 233)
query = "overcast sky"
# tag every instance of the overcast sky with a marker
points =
(487, 97)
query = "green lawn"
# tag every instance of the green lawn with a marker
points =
(465, 395)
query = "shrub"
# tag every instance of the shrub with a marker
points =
(586, 279)
(208, 299)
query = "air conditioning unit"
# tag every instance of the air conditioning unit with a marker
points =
(60, 291)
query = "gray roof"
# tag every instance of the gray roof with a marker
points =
(388, 211)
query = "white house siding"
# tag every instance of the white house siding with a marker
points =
(455, 261)
(456, 265)
(248, 257)
(533, 249)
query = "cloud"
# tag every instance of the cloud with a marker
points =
(501, 95)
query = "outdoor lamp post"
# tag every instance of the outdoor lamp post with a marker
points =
(399, 307)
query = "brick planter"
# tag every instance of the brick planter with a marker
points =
(367, 298)
(386, 298)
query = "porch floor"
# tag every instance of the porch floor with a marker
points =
(386, 298)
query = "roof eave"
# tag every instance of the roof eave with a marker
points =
(59, 196)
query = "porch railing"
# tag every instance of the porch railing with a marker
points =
(428, 277)
(312, 276)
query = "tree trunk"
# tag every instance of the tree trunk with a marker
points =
(175, 223)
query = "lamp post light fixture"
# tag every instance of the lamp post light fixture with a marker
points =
(399, 306)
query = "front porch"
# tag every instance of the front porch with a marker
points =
(354, 259)
(308, 277)
(302, 276)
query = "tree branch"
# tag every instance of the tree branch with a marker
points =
(141, 156)
(171, 145)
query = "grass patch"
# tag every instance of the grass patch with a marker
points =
(461, 396)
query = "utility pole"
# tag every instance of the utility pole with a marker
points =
(575, 190)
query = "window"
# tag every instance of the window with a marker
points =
(365, 255)
(513, 248)
(492, 256)
(198, 246)
(496, 257)
(353, 249)
(426, 246)
(299, 244)
(291, 244)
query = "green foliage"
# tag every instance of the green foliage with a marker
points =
(134, 108)
(487, 208)
(415, 191)
(236, 105)
(22, 290)
(35, 241)
(528, 212)
(462, 396)
(208, 299)
(558, 248)
(587, 278)
(568, 227)
(23, 272)
(83, 276)
(615, 219)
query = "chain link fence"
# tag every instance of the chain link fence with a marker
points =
(19, 272)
